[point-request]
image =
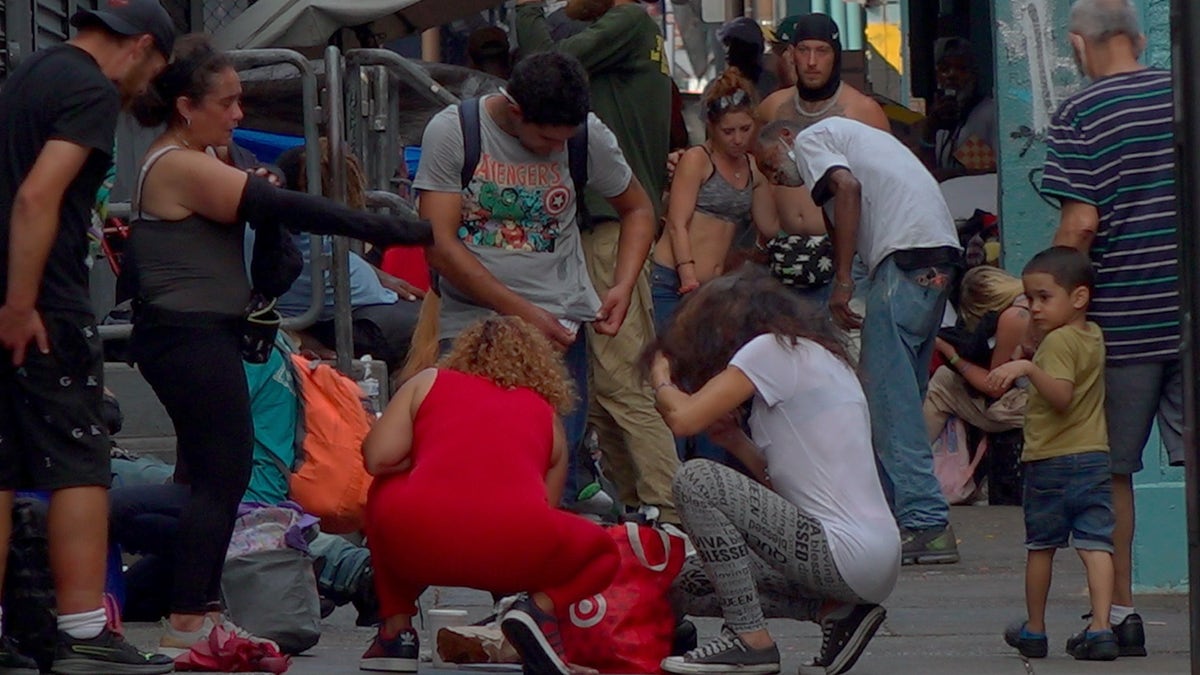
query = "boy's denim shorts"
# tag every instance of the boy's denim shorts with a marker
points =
(1068, 500)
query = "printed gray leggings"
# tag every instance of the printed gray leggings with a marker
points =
(756, 552)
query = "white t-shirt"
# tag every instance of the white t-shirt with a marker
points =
(902, 205)
(810, 420)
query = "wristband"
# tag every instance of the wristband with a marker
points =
(954, 361)
(661, 385)
(844, 284)
(685, 262)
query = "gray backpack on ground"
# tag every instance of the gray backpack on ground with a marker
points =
(273, 594)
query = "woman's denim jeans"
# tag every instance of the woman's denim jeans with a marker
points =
(664, 291)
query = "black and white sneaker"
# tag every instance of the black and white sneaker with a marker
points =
(535, 635)
(845, 633)
(105, 654)
(725, 653)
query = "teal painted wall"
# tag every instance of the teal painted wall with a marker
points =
(1034, 74)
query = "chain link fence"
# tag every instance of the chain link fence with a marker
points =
(217, 13)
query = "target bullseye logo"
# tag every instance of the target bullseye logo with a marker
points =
(589, 611)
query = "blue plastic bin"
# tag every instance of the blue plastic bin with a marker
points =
(412, 158)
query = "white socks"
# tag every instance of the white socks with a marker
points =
(1118, 613)
(85, 625)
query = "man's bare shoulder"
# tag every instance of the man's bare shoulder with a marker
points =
(862, 108)
(768, 110)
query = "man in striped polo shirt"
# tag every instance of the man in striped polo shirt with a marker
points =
(1111, 162)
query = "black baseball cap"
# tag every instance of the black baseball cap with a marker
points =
(743, 29)
(132, 17)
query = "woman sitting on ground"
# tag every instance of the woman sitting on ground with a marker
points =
(811, 536)
(472, 503)
(992, 302)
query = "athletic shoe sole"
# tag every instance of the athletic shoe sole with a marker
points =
(676, 664)
(930, 559)
(19, 671)
(389, 665)
(90, 667)
(858, 641)
(526, 637)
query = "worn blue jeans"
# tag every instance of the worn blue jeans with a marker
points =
(904, 311)
(664, 292)
(344, 564)
(575, 424)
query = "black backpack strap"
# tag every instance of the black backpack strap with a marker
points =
(468, 120)
(577, 164)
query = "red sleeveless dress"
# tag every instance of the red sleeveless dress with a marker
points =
(473, 511)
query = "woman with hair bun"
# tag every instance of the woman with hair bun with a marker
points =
(472, 503)
(716, 193)
(192, 310)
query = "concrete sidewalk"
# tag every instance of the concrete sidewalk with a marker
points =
(942, 620)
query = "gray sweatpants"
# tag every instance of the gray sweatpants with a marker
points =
(756, 552)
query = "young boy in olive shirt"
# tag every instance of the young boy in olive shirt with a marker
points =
(1068, 483)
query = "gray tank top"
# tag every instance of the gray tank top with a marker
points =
(718, 198)
(189, 265)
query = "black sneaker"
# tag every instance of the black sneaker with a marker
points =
(1097, 646)
(685, 639)
(13, 662)
(928, 547)
(725, 653)
(845, 633)
(400, 654)
(105, 654)
(1131, 634)
(535, 636)
(365, 599)
(1031, 645)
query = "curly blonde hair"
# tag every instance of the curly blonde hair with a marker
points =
(987, 289)
(510, 352)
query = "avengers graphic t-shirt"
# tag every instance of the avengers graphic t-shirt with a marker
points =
(518, 214)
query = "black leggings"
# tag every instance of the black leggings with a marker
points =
(197, 374)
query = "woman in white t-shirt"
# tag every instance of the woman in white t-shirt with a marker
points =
(813, 538)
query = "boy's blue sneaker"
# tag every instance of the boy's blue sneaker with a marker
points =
(1031, 645)
(1093, 646)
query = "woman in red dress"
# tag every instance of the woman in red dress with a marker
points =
(470, 458)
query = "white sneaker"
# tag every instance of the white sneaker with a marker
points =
(175, 643)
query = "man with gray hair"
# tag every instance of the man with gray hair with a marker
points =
(881, 204)
(1110, 160)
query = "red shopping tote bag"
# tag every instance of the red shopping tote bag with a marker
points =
(630, 626)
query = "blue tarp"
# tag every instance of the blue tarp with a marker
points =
(267, 147)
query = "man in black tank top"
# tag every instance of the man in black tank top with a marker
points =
(58, 115)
